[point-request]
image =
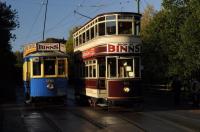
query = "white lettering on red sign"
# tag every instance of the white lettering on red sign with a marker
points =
(88, 53)
(123, 48)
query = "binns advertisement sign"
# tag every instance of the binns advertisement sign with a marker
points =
(112, 49)
(123, 48)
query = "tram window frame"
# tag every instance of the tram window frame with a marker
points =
(63, 69)
(101, 29)
(111, 27)
(83, 37)
(111, 17)
(126, 68)
(90, 68)
(87, 32)
(111, 67)
(47, 70)
(131, 71)
(36, 68)
(125, 28)
(102, 67)
(92, 33)
(137, 27)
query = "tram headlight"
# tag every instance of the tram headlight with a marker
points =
(50, 84)
(126, 89)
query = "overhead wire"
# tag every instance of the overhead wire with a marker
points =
(35, 20)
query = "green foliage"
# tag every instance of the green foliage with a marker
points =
(171, 41)
(70, 52)
(69, 44)
(19, 58)
(8, 76)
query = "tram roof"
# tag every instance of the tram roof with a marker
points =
(109, 13)
(49, 53)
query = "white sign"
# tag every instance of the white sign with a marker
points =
(48, 46)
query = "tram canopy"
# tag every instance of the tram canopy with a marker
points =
(43, 47)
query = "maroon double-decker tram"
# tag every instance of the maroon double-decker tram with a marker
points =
(108, 57)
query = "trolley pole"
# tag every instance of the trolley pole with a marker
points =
(138, 5)
(45, 17)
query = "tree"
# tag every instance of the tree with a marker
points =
(147, 16)
(70, 53)
(162, 42)
(8, 22)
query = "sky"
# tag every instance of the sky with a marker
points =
(61, 17)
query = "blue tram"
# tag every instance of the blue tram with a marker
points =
(45, 70)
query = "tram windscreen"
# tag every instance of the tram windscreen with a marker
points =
(37, 68)
(49, 67)
(125, 68)
(112, 67)
(61, 67)
(125, 27)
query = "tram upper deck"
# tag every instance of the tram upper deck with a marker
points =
(118, 26)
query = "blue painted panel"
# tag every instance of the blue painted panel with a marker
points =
(39, 87)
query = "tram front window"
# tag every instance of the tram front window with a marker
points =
(125, 68)
(61, 67)
(112, 67)
(125, 27)
(37, 68)
(49, 67)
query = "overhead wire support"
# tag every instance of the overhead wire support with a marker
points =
(75, 12)
(45, 17)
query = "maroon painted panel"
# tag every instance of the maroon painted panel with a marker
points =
(95, 83)
(91, 83)
(116, 88)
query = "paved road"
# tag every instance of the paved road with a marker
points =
(62, 118)
(51, 117)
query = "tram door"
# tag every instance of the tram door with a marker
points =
(119, 76)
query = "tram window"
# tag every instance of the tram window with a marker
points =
(110, 17)
(87, 35)
(96, 32)
(84, 38)
(101, 29)
(137, 28)
(49, 67)
(111, 28)
(137, 66)
(94, 70)
(125, 17)
(86, 71)
(80, 39)
(125, 68)
(101, 19)
(90, 71)
(76, 41)
(102, 68)
(92, 32)
(125, 27)
(61, 67)
(37, 68)
(112, 67)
